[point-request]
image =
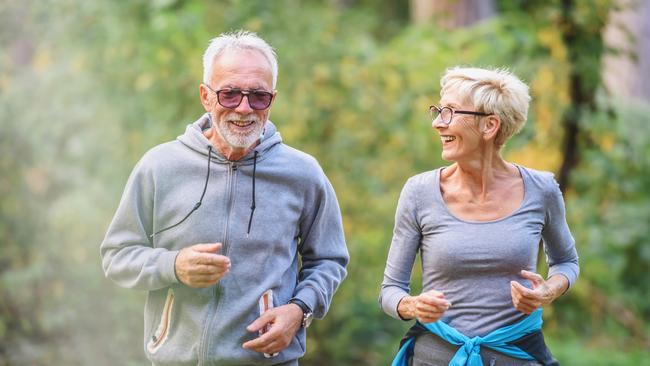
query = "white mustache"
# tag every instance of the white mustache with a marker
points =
(238, 117)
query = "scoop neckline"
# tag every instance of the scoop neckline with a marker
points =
(509, 215)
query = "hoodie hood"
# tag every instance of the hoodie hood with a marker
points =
(194, 139)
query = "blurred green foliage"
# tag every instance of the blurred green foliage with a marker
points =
(86, 87)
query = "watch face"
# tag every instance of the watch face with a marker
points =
(306, 319)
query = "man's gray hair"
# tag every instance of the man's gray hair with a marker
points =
(238, 40)
(495, 91)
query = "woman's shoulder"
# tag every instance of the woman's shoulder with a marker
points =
(540, 179)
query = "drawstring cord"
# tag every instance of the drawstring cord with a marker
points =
(198, 204)
(205, 187)
(250, 220)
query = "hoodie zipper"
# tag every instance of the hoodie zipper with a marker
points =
(230, 184)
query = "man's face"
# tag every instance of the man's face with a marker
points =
(240, 127)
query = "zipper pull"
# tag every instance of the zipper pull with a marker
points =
(233, 166)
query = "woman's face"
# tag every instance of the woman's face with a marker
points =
(461, 139)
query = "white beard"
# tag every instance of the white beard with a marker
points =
(235, 138)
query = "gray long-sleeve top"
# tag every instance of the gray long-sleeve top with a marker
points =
(473, 262)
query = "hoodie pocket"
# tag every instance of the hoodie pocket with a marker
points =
(160, 335)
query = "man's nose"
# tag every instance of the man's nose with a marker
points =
(244, 107)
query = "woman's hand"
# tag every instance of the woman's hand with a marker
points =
(427, 307)
(542, 294)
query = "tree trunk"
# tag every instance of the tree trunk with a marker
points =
(628, 32)
(451, 14)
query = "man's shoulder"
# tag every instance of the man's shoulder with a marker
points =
(161, 155)
(298, 158)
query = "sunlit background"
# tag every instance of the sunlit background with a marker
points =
(86, 87)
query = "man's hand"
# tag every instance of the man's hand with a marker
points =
(542, 294)
(199, 265)
(284, 320)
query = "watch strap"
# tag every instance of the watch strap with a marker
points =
(305, 309)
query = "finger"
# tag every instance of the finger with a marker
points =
(267, 342)
(520, 289)
(523, 304)
(204, 269)
(207, 270)
(275, 347)
(260, 322)
(425, 308)
(535, 278)
(516, 296)
(433, 293)
(213, 260)
(526, 294)
(271, 348)
(526, 309)
(430, 317)
(207, 248)
(434, 301)
(259, 343)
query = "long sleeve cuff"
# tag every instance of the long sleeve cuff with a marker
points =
(389, 301)
(568, 270)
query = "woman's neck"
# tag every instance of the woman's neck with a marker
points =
(479, 176)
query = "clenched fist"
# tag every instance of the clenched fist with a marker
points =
(543, 292)
(200, 266)
(427, 307)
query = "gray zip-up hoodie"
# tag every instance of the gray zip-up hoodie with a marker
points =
(296, 218)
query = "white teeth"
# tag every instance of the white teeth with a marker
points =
(447, 138)
(241, 123)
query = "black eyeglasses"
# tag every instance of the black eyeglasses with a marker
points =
(231, 98)
(447, 113)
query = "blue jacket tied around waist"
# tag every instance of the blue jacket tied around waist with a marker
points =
(468, 354)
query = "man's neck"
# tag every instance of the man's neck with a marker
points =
(229, 152)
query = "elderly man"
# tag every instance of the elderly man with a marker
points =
(222, 274)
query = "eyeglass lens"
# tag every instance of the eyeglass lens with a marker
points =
(256, 99)
(445, 114)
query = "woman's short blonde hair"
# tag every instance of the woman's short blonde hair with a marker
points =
(494, 91)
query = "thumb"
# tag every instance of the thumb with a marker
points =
(207, 248)
(535, 278)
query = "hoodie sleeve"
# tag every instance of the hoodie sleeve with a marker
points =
(322, 248)
(128, 255)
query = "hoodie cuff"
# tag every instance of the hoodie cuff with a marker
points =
(167, 265)
(310, 298)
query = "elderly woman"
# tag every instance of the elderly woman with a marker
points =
(477, 224)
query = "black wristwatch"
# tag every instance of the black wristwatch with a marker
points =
(307, 314)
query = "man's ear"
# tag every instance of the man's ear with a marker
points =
(491, 126)
(275, 94)
(204, 96)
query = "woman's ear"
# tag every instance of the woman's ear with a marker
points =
(491, 127)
